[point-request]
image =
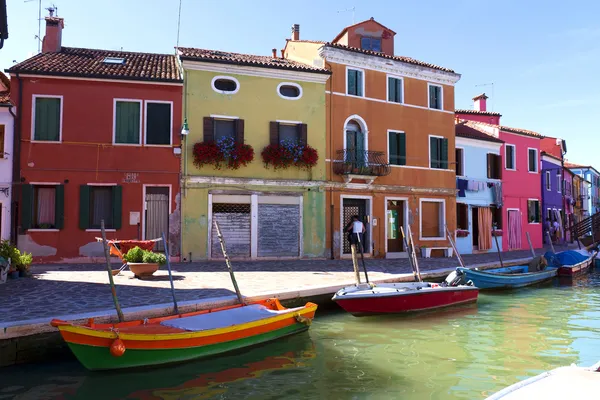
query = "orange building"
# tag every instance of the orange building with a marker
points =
(390, 140)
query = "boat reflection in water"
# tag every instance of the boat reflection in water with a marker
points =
(260, 366)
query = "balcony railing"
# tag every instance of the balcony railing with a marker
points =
(367, 163)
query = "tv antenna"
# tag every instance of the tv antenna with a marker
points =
(39, 23)
(353, 9)
(488, 84)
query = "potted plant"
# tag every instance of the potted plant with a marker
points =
(224, 153)
(24, 263)
(19, 262)
(4, 267)
(497, 232)
(461, 233)
(143, 262)
(289, 153)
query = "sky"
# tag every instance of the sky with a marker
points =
(542, 56)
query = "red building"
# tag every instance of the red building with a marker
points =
(96, 138)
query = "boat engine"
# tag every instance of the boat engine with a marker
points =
(456, 278)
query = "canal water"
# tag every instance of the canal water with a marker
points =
(460, 353)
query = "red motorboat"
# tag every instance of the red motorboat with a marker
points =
(393, 298)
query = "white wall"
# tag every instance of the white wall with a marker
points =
(6, 119)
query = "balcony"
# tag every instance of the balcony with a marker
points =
(366, 165)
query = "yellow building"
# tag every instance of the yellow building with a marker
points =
(276, 108)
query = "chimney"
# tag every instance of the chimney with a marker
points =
(479, 102)
(296, 32)
(282, 53)
(53, 38)
(274, 53)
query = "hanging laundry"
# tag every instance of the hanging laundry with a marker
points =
(497, 194)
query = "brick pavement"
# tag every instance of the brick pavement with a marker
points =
(62, 289)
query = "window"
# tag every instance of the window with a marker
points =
(47, 116)
(158, 123)
(42, 206)
(289, 91)
(217, 128)
(395, 90)
(496, 217)
(459, 153)
(435, 97)
(397, 148)
(127, 121)
(224, 128)
(225, 85)
(114, 60)
(509, 156)
(438, 152)
(432, 218)
(370, 43)
(549, 215)
(533, 211)
(355, 83)
(494, 166)
(548, 181)
(462, 216)
(97, 203)
(1, 141)
(287, 132)
(532, 160)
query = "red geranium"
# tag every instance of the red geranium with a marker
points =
(222, 154)
(286, 154)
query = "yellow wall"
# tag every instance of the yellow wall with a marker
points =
(257, 103)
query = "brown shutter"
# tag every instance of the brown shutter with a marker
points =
(239, 131)
(303, 133)
(490, 162)
(209, 129)
(498, 166)
(274, 133)
(1, 141)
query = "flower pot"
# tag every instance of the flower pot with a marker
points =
(14, 274)
(143, 269)
(3, 273)
(22, 274)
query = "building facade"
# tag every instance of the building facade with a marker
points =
(275, 108)
(553, 203)
(6, 158)
(569, 203)
(479, 191)
(390, 141)
(98, 140)
(589, 174)
(521, 172)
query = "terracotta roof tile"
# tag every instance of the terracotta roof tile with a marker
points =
(545, 153)
(307, 41)
(407, 60)
(511, 130)
(470, 131)
(475, 112)
(89, 63)
(216, 56)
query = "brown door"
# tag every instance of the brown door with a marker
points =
(395, 220)
(475, 233)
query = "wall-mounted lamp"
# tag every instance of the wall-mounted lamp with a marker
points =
(185, 130)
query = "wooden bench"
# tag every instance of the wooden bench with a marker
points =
(426, 251)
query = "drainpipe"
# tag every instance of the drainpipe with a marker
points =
(331, 154)
(16, 175)
(184, 169)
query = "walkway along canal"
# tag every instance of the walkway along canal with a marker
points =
(459, 353)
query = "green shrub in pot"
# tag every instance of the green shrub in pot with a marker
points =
(140, 256)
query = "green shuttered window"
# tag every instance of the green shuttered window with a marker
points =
(435, 97)
(43, 207)
(533, 211)
(397, 146)
(97, 203)
(438, 152)
(158, 123)
(355, 82)
(47, 119)
(127, 122)
(395, 90)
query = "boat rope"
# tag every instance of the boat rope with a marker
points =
(303, 320)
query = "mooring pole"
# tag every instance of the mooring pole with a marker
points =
(110, 275)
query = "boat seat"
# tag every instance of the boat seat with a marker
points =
(225, 318)
(426, 251)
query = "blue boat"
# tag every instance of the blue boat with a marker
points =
(571, 262)
(506, 278)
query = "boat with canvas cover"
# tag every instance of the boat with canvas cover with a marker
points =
(561, 383)
(182, 337)
(571, 262)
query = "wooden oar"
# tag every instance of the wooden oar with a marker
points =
(458, 256)
(170, 274)
(530, 245)
(110, 275)
(414, 254)
(550, 241)
(410, 259)
(235, 285)
(362, 257)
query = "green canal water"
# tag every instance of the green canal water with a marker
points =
(460, 353)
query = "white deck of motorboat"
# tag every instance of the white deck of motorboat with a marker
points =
(394, 289)
(570, 383)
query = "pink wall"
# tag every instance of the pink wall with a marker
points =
(520, 185)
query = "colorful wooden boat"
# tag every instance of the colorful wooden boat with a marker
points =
(507, 277)
(394, 298)
(561, 383)
(182, 337)
(571, 262)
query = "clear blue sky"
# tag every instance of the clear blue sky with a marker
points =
(543, 56)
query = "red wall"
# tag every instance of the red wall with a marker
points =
(372, 29)
(86, 155)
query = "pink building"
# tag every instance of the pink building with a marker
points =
(521, 166)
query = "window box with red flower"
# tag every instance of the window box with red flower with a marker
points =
(462, 233)
(289, 153)
(223, 153)
(497, 232)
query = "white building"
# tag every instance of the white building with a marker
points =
(6, 156)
